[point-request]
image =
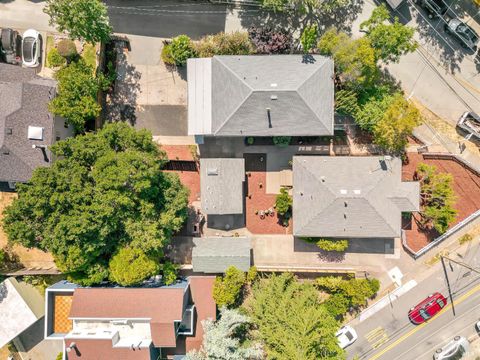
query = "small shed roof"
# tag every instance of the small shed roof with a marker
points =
(221, 185)
(216, 254)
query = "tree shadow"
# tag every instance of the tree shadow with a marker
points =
(121, 102)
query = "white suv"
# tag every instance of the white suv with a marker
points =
(454, 350)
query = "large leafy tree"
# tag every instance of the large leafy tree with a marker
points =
(304, 6)
(226, 339)
(105, 191)
(82, 19)
(76, 100)
(292, 322)
(392, 130)
(130, 266)
(227, 290)
(390, 40)
(354, 59)
(437, 196)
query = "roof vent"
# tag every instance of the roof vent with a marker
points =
(357, 192)
(343, 192)
(212, 171)
(35, 133)
(6, 152)
(274, 85)
(322, 178)
(8, 131)
(273, 97)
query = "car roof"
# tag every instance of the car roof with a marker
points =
(434, 296)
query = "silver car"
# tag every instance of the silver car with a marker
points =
(455, 350)
(470, 122)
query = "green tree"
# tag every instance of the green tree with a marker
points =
(437, 197)
(390, 40)
(169, 272)
(303, 7)
(346, 102)
(396, 125)
(337, 305)
(283, 201)
(227, 291)
(181, 49)
(226, 339)
(370, 114)
(291, 321)
(309, 37)
(357, 291)
(76, 99)
(105, 191)
(54, 59)
(131, 266)
(354, 59)
(67, 49)
(81, 19)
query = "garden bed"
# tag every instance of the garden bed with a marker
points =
(339, 139)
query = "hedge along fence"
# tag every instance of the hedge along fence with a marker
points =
(460, 228)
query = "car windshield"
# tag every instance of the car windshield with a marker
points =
(465, 30)
(440, 303)
(28, 48)
(424, 314)
(349, 335)
(456, 354)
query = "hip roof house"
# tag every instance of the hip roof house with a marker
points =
(271, 95)
(27, 128)
(350, 196)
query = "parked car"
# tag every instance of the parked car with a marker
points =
(427, 308)
(434, 8)
(31, 48)
(346, 336)
(454, 350)
(9, 41)
(464, 33)
(470, 122)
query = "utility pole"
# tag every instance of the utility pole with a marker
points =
(461, 263)
(448, 284)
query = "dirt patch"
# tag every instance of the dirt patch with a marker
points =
(27, 257)
(466, 186)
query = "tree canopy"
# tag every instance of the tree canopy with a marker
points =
(130, 266)
(390, 40)
(226, 339)
(76, 99)
(227, 291)
(291, 320)
(104, 192)
(82, 19)
(437, 197)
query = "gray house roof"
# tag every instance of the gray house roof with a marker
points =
(221, 185)
(260, 95)
(350, 196)
(216, 254)
(24, 101)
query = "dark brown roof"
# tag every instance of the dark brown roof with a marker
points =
(102, 350)
(162, 305)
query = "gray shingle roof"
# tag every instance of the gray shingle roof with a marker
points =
(216, 254)
(261, 95)
(24, 101)
(221, 185)
(350, 196)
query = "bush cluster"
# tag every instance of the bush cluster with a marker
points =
(332, 244)
(235, 43)
(54, 58)
(283, 201)
(227, 290)
(268, 41)
(67, 49)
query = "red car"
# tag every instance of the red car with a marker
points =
(427, 309)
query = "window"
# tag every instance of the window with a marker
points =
(440, 303)
(424, 314)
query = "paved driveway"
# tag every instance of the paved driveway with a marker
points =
(150, 95)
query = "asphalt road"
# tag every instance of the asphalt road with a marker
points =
(166, 18)
(388, 334)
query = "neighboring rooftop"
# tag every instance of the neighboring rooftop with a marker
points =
(21, 305)
(350, 196)
(221, 185)
(216, 254)
(25, 122)
(269, 95)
